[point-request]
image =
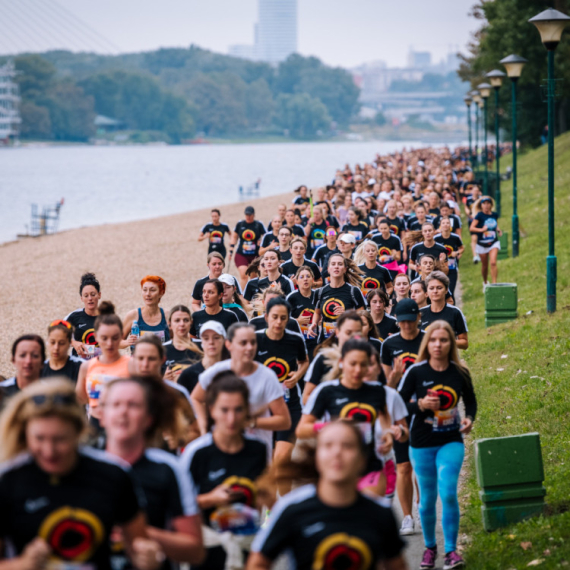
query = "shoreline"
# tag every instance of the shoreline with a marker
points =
(44, 272)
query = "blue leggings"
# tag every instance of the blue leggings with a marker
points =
(439, 467)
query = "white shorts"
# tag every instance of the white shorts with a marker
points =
(482, 249)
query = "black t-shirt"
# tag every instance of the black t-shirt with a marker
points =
(323, 537)
(375, 278)
(396, 346)
(299, 201)
(331, 400)
(285, 255)
(387, 326)
(251, 289)
(268, 239)
(450, 314)
(284, 282)
(329, 298)
(420, 249)
(259, 323)
(359, 230)
(397, 225)
(209, 467)
(289, 268)
(317, 370)
(199, 286)
(385, 246)
(298, 230)
(75, 513)
(70, 369)
(304, 306)
(249, 236)
(179, 359)
(453, 219)
(321, 254)
(225, 317)
(84, 328)
(216, 237)
(489, 237)
(429, 428)
(316, 237)
(239, 312)
(8, 388)
(282, 357)
(189, 376)
(451, 244)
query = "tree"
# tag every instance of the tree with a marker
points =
(302, 115)
(35, 75)
(36, 122)
(259, 103)
(505, 30)
(380, 119)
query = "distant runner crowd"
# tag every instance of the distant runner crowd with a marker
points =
(270, 423)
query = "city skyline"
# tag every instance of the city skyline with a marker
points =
(326, 30)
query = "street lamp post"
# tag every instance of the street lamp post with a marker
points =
(550, 24)
(485, 91)
(468, 100)
(514, 65)
(496, 79)
(478, 102)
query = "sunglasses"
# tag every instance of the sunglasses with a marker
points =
(61, 322)
(58, 399)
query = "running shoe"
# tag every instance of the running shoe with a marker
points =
(407, 527)
(476, 259)
(453, 560)
(485, 285)
(428, 559)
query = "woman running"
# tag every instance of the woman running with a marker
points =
(28, 356)
(401, 291)
(181, 352)
(212, 296)
(298, 260)
(437, 284)
(215, 232)
(389, 245)
(82, 320)
(95, 373)
(378, 302)
(374, 275)
(436, 383)
(330, 523)
(355, 224)
(213, 336)
(302, 303)
(59, 362)
(150, 318)
(455, 248)
(285, 353)
(321, 254)
(272, 260)
(268, 409)
(60, 501)
(418, 292)
(216, 265)
(136, 413)
(315, 230)
(369, 331)
(341, 294)
(225, 464)
(349, 324)
(260, 306)
(397, 225)
(231, 300)
(485, 225)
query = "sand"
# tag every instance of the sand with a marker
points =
(42, 274)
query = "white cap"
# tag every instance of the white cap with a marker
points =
(421, 163)
(371, 181)
(227, 279)
(213, 326)
(347, 238)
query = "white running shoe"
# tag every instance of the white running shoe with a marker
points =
(476, 259)
(485, 285)
(407, 527)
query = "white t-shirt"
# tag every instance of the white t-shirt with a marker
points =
(264, 388)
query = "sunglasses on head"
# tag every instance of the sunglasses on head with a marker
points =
(59, 399)
(60, 322)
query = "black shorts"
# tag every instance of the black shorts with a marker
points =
(289, 434)
(402, 452)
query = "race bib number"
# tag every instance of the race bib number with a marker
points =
(160, 334)
(452, 263)
(92, 351)
(446, 420)
(216, 240)
(95, 386)
(328, 329)
(249, 247)
(317, 243)
(237, 519)
(489, 235)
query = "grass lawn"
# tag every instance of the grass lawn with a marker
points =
(521, 369)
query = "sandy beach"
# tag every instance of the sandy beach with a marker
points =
(43, 273)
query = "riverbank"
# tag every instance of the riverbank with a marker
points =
(44, 272)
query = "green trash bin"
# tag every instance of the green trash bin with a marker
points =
(504, 251)
(501, 303)
(511, 474)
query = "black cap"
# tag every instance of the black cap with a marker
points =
(249, 211)
(407, 310)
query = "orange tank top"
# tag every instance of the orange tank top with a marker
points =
(98, 374)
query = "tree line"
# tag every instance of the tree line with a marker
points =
(179, 93)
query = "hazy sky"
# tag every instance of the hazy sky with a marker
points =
(340, 32)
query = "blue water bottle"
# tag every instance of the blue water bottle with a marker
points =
(135, 331)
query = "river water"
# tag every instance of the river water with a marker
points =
(115, 184)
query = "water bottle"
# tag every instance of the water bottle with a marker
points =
(286, 395)
(135, 331)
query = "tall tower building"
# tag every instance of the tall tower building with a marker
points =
(276, 33)
(9, 103)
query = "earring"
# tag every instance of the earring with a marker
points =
(340, 365)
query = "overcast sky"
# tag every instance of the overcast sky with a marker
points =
(340, 32)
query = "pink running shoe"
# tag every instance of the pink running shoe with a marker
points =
(453, 560)
(428, 559)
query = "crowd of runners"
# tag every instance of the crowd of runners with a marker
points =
(272, 420)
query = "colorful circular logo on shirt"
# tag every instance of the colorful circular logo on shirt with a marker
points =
(408, 358)
(449, 249)
(395, 229)
(279, 366)
(359, 412)
(330, 306)
(243, 486)
(216, 236)
(89, 337)
(340, 551)
(318, 235)
(447, 397)
(248, 235)
(370, 283)
(72, 534)
(382, 250)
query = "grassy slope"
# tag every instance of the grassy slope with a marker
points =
(531, 392)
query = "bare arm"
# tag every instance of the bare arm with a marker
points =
(257, 561)
(198, 398)
(280, 418)
(463, 341)
(397, 563)
(305, 427)
(309, 387)
(81, 386)
(184, 543)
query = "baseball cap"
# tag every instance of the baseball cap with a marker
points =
(486, 199)
(407, 310)
(227, 279)
(371, 181)
(249, 211)
(213, 326)
(347, 238)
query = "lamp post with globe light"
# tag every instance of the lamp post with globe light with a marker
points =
(468, 100)
(496, 80)
(478, 102)
(485, 91)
